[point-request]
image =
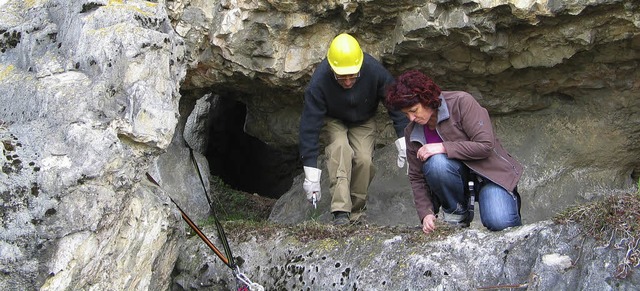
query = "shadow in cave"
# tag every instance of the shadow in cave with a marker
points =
(243, 161)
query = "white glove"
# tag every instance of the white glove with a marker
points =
(402, 151)
(311, 183)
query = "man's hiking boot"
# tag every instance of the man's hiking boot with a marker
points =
(340, 218)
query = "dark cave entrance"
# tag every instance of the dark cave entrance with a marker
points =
(242, 161)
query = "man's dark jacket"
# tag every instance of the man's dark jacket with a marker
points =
(325, 97)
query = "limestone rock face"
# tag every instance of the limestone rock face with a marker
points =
(89, 94)
(95, 94)
(539, 256)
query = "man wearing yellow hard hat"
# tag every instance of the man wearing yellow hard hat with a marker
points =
(340, 103)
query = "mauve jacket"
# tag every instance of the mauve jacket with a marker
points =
(467, 135)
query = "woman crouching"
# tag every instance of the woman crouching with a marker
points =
(450, 141)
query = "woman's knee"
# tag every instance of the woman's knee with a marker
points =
(440, 166)
(498, 209)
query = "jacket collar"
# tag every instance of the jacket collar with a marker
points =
(443, 110)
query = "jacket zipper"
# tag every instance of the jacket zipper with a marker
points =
(508, 162)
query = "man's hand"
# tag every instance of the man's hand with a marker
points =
(402, 151)
(311, 183)
(429, 223)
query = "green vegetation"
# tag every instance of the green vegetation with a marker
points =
(241, 230)
(614, 220)
(313, 230)
(232, 205)
(244, 213)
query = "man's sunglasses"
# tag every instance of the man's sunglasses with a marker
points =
(346, 77)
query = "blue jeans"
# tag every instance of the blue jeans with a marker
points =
(446, 179)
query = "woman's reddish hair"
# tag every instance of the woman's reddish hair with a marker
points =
(411, 88)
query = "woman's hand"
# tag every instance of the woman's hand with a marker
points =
(429, 150)
(429, 223)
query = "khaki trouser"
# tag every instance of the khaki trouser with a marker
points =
(349, 153)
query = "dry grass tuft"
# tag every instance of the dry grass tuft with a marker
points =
(614, 220)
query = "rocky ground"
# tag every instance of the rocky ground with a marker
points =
(614, 216)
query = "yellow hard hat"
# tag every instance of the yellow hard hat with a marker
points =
(345, 55)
